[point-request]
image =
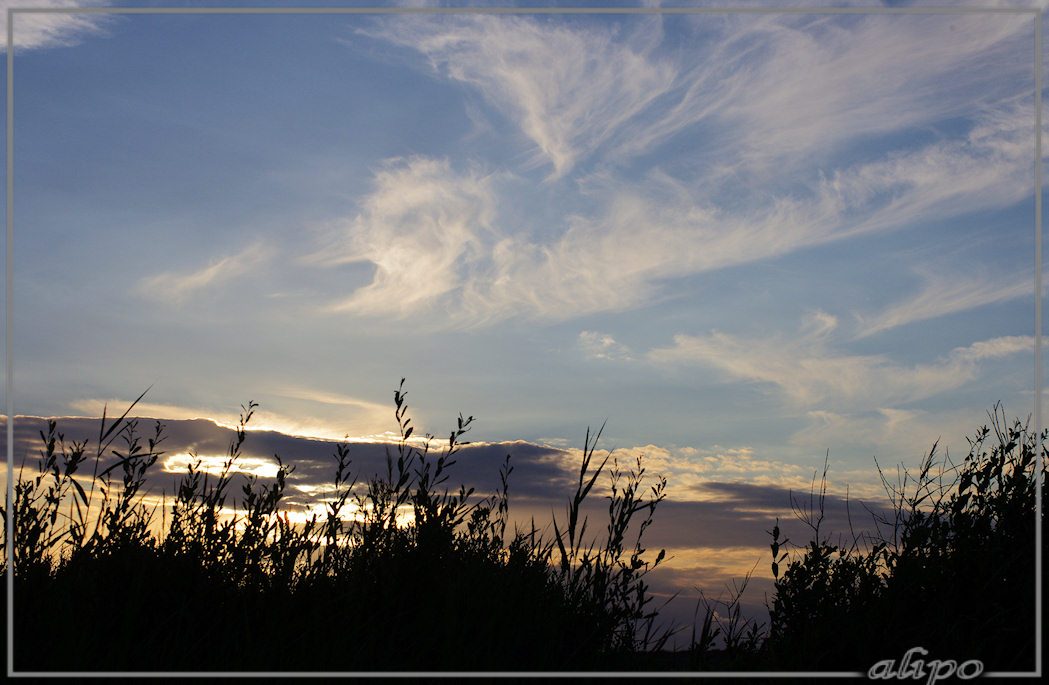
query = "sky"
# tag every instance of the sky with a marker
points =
(743, 243)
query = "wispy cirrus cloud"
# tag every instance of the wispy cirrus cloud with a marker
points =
(890, 435)
(363, 420)
(341, 414)
(943, 294)
(424, 226)
(770, 89)
(583, 91)
(568, 89)
(597, 345)
(988, 168)
(436, 238)
(807, 370)
(660, 227)
(50, 30)
(808, 84)
(177, 288)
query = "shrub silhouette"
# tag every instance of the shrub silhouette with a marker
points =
(255, 592)
(953, 571)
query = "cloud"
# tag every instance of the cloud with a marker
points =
(768, 91)
(792, 87)
(943, 294)
(989, 168)
(817, 324)
(540, 477)
(444, 248)
(714, 536)
(661, 228)
(95, 407)
(688, 468)
(806, 370)
(261, 467)
(50, 30)
(424, 227)
(176, 288)
(365, 422)
(330, 398)
(569, 90)
(333, 416)
(436, 239)
(891, 435)
(541, 485)
(736, 514)
(602, 346)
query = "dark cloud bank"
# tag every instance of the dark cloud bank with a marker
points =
(727, 513)
(723, 515)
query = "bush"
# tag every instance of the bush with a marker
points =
(953, 571)
(255, 592)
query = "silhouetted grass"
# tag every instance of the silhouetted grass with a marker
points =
(255, 592)
(953, 571)
(95, 589)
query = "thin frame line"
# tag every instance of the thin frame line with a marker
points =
(441, 674)
(1038, 561)
(523, 10)
(9, 370)
(515, 11)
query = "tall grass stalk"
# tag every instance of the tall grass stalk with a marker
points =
(459, 591)
(951, 569)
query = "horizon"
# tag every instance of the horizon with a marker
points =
(715, 533)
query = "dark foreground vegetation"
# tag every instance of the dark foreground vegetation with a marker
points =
(952, 571)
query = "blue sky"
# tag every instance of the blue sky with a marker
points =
(742, 240)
